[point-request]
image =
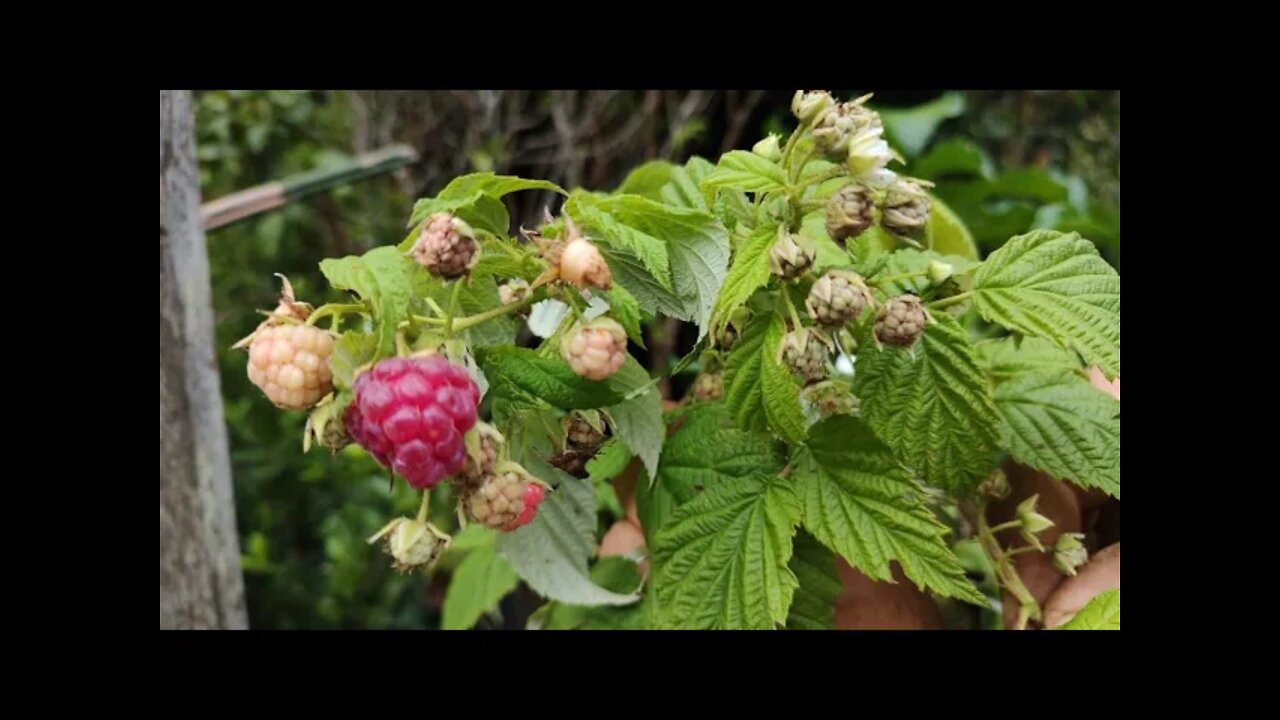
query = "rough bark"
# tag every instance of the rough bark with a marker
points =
(201, 585)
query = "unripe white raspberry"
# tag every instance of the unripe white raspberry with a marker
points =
(836, 298)
(582, 264)
(906, 208)
(595, 350)
(290, 363)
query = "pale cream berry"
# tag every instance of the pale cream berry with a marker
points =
(582, 265)
(595, 350)
(290, 363)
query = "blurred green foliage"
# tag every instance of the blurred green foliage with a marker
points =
(1005, 162)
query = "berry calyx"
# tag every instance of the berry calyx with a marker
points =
(905, 209)
(901, 321)
(805, 355)
(595, 350)
(836, 298)
(791, 255)
(412, 543)
(446, 247)
(411, 414)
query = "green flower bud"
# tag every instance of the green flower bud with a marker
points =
(939, 272)
(1069, 553)
(1033, 522)
(768, 148)
(808, 105)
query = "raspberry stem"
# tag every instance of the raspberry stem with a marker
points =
(335, 309)
(879, 282)
(951, 300)
(1005, 571)
(425, 506)
(453, 307)
(791, 309)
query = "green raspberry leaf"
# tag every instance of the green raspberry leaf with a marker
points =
(742, 387)
(493, 185)
(748, 273)
(746, 171)
(480, 210)
(647, 180)
(862, 504)
(779, 389)
(814, 604)
(551, 553)
(609, 462)
(683, 190)
(617, 574)
(522, 370)
(1054, 285)
(638, 420)
(1007, 358)
(946, 233)
(384, 278)
(909, 260)
(707, 450)
(1059, 423)
(931, 404)
(624, 308)
(481, 580)
(673, 258)
(722, 558)
(1102, 613)
(351, 351)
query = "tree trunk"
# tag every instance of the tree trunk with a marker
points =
(200, 580)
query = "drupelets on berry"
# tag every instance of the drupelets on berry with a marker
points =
(791, 255)
(595, 350)
(505, 500)
(411, 414)
(805, 355)
(849, 212)
(412, 543)
(288, 360)
(901, 321)
(906, 208)
(836, 298)
(290, 363)
(447, 246)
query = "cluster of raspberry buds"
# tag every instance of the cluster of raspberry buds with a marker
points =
(901, 321)
(905, 209)
(708, 386)
(791, 255)
(850, 212)
(288, 360)
(411, 414)
(805, 354)
(809, 105)
(446, 247)
(836, 298)
(412, 543)
(506, 499)
(595, 349)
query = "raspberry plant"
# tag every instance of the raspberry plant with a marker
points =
(859, 371)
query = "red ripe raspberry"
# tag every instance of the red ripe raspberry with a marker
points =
(411, 413)
(505, 501)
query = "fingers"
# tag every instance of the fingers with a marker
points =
(1100, 574)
